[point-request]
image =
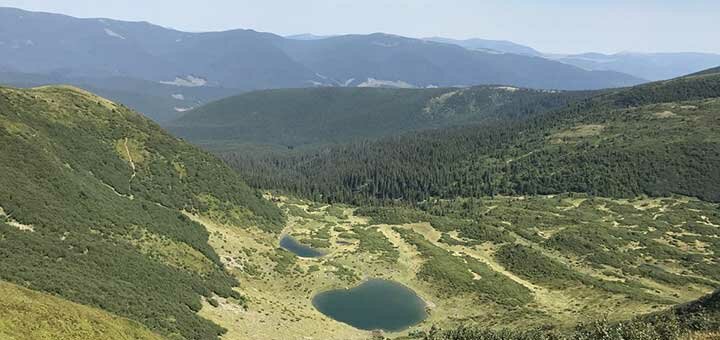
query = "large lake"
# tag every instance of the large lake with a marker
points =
(375, 304)
(299, 249)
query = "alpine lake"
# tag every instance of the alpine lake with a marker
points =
(375, 304)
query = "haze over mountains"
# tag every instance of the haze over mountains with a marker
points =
(649, 66)
(164, 72)
(40, 48)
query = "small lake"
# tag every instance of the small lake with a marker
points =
(375, 304)
(299, 249)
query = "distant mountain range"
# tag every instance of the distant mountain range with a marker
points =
(164, 72)
(650, 66)
(47, 48)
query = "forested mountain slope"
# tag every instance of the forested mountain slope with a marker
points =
(318, 116)
(655, 139)
(91, 201)
(697, 86)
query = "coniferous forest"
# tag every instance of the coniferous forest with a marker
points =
(657, 139)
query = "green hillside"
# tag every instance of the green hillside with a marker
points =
(698, 86)
(91, 196)
(694, 321)
(656, 139)
(318, 116)
(25, 314)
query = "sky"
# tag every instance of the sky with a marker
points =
(551, 26)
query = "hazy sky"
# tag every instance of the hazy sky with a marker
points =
(548, 25)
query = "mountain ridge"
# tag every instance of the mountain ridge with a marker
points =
(651, 66)
(59, 46)
(503, 46)
(318, 116)
(643, 65)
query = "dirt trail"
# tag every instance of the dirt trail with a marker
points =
(132, 163)
(13, 223)
(130, 197)
(549, 299)
(410, 260)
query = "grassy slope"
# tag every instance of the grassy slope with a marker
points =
(623, 247)
(698, 320)
(25, 314)
(296, 117)
(100, 191)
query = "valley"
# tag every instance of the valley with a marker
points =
(601, 208)
(232, 184)
(509, 236)
(520, 271)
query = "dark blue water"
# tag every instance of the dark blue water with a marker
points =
(375, 304)
(297, 248)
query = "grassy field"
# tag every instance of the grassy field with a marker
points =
(500, 262)
(26, 314)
